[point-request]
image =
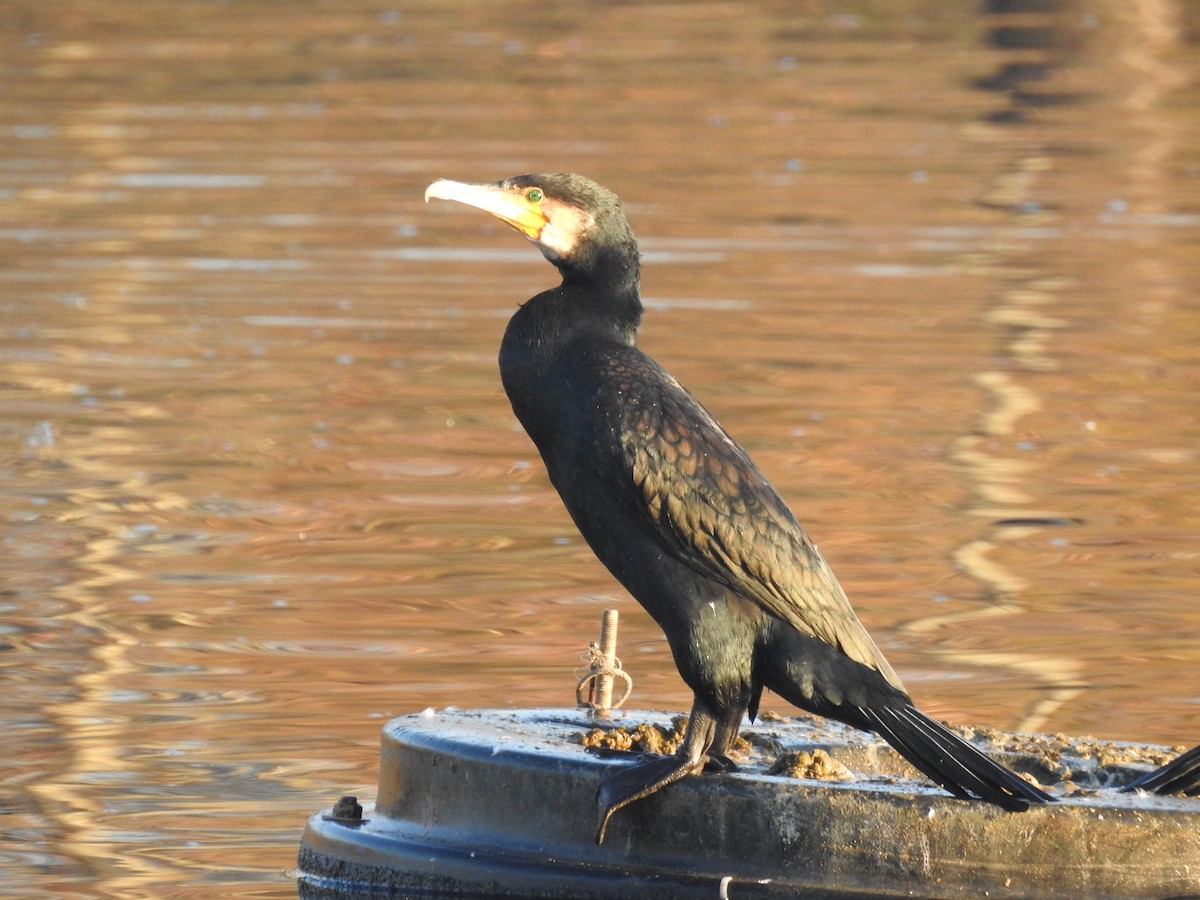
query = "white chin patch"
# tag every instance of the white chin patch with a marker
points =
(563, 231)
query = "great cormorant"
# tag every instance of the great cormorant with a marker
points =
(682, 516)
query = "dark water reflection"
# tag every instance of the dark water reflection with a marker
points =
(937, 267)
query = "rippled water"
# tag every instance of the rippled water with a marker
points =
(937, 267)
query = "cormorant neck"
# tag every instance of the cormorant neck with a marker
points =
(609, 309)
(544, 332)
(612, 269)
(599, 296)
(596, 304)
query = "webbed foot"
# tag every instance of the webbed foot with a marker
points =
(641, 780)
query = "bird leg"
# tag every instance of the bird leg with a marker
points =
(723, 739)
(644, 778)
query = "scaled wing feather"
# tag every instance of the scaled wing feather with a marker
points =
(715, 511)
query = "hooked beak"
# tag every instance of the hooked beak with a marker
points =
(508, 205)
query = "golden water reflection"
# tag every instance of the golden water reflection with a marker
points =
(936, 268)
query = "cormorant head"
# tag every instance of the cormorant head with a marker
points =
(577, 224)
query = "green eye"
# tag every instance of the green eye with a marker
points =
(534, 195)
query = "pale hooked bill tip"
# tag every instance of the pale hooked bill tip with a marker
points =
(444, 189)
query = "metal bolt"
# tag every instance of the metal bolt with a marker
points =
(608, 656)
(347, 811)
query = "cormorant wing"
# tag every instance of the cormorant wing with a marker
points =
(711, 508)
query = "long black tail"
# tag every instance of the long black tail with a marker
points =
(959, 767)
(1180, 776)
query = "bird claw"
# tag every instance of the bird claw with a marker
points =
(722, 764)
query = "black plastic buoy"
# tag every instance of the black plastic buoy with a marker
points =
(501, 803)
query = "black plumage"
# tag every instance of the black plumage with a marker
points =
(1180, 776)
(681, 515)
